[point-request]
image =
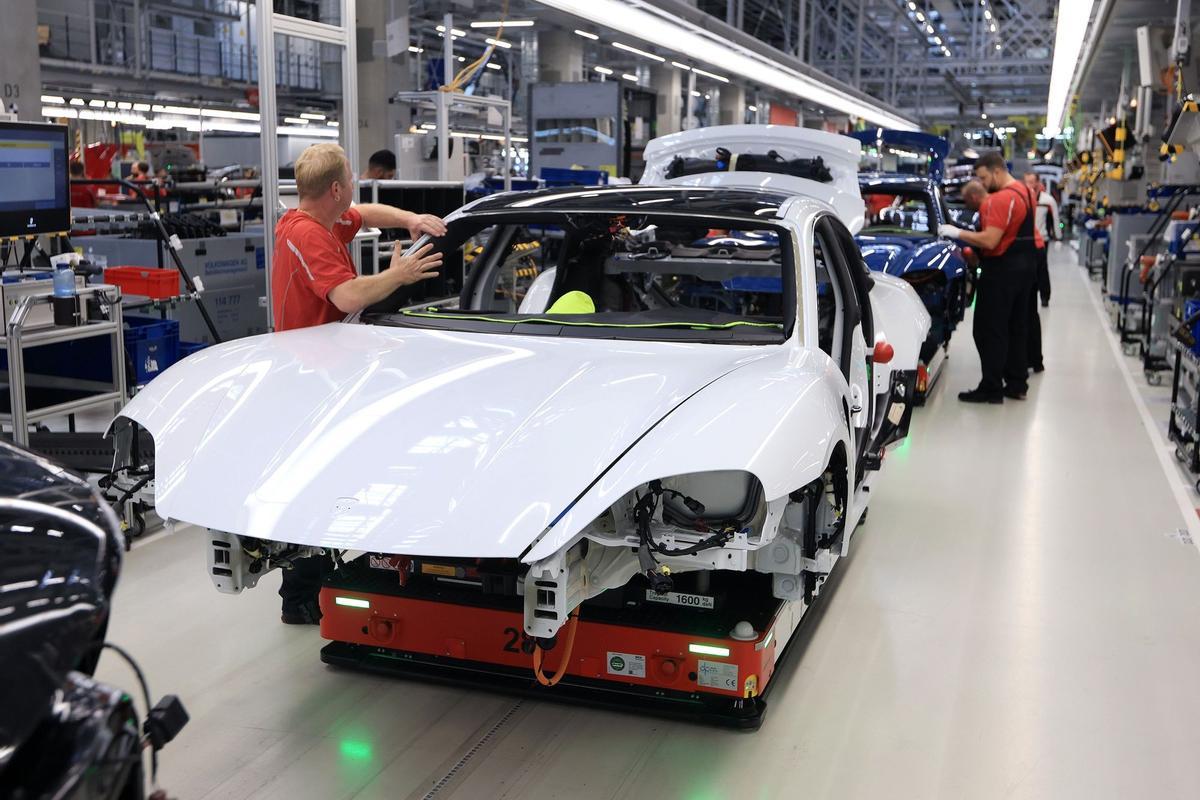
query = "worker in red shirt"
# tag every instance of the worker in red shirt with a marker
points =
(83, 195)
(1008, 242)
(313, 282)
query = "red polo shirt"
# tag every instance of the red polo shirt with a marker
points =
(310, 260)
(1006, 208)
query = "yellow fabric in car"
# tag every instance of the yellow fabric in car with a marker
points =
(573, 303)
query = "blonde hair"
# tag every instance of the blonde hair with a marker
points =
(318, 167)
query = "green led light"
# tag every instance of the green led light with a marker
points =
(708, 650)
(352, 602)
(355, 750)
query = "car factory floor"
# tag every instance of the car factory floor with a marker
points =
(1020, 618)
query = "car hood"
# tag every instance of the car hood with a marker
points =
(897, 254)
(407, 441)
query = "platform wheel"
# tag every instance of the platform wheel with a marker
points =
(1129, 348)
(1180, 455)
(1154, 378)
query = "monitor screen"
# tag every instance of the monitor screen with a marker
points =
(33, 172)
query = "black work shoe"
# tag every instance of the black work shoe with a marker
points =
(303, 614)
(1015, 394)
(1045, 304)
(981, 396)
(1039, 368)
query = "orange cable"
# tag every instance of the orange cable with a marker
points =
(572, 624)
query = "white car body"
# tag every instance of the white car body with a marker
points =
(467, 444)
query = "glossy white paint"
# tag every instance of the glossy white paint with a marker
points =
(424, 442)
(840, 154)
(901, 320)
(408, 441)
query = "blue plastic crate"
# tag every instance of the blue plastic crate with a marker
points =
(152, 345)
(187, 348)
(1190, 308)
(557, 176)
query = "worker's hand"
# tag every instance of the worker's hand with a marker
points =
(949, 231)
(426, 224)
(415, 267)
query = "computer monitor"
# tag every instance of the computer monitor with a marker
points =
(33, 171)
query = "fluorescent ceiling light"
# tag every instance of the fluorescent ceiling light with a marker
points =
(96, 103)
(494, 66)
(183, 110)
(77, 101)
(997, 45)
(333, 123)
(499, 43)
(461, 59)
(643, 53)
(937, 40)
(512, 23)
(635, 18)
(52, 98)
(681, 66)
(413, 49)
(603, 70)
(295, 130)
(294, 121)
(59, 111)
(216, 112)
(310, 115)
(993, 26)
(125, 106)
(111, 103)
(587, 35)
(695, 94)
(752, 108)
(141, 106)
(712, 75)
(453, 31)
(987, 13)
(629, 77)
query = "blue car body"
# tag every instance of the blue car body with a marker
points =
(934, 266)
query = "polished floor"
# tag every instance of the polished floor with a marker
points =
(1020, 618)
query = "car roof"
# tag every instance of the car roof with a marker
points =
(749, 203)
(900, 180)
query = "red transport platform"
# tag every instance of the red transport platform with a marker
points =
(651, 656)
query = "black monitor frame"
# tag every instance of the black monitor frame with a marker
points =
(46, 220)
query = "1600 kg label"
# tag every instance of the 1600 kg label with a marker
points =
(681, 599)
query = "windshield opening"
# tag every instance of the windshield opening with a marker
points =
(898, 212)
(614, 275)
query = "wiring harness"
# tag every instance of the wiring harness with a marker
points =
(649, 548)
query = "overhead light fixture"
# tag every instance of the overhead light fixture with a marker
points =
(987, 13)
(124, 105)
(712, 75)
(638, 19)
(642, 53)
(993, 27)
(77, 101)
(512, 23)
(453, 31)
(937, 40)
(56, 112)
(920, 17)
(629, 77)
(493, 66)
(110, 103)
(929, 29)
(136, 106)
(603, 70)
(52, 98)
(216, 112)
(695, 93)
(752, 108)
(983, 116)
(681, 66)
(499, 43)
(461, 59)
(413, 49)
(912, 6)
(311, 115)
(587, 35)
(295, 121)
(96, 103)
(997, 45)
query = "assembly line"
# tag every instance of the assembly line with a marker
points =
(622, 400)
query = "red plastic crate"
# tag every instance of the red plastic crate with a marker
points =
(158, 284)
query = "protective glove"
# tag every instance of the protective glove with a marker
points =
(949, 231)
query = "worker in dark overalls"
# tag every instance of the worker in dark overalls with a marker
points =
(1008, 242)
